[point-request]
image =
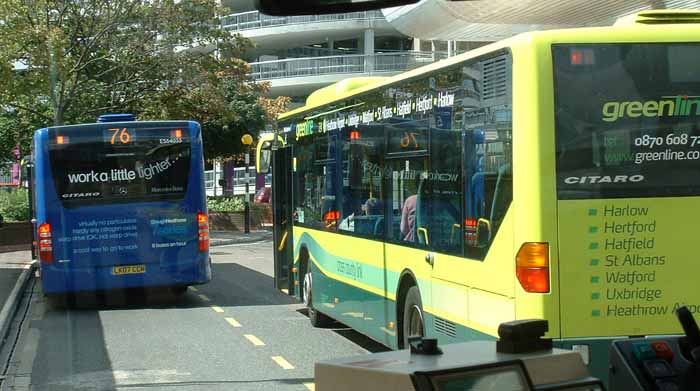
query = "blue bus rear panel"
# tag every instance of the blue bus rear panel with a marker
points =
(121, 216)
(57, 278)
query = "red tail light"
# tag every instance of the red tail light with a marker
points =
(470, 225)
(45, 243)
(332, 217)
(203, 221)
(532, 267)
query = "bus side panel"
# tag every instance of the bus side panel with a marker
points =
(349, 283)
(475, 294)
(534, 184)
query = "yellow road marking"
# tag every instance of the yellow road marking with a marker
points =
(282, 362)
(204, 297)
(216, 308)
(254, 340)
(233, 322)
(194, 289)
(310, 386)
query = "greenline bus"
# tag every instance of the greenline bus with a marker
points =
(552, 175)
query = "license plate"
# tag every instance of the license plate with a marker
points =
(131, 269)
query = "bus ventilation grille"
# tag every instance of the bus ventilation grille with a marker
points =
(495, 78)
(660, 17)
(444, 326)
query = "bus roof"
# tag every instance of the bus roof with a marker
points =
(647, 26)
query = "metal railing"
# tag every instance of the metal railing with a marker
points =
(9, 175)
(255, 20)
(371, 63)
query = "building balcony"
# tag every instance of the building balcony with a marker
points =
(273, 32)
(300, 76)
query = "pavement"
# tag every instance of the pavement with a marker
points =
(16, 268)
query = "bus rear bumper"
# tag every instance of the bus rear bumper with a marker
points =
(57, 279)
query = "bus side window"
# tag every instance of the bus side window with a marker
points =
(406, 192)
(442, 195)
(362, 194)
(488, 187)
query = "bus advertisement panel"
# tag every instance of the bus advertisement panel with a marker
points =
(121, 205)
(628, 181)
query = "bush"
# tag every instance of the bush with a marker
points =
(225, 204)
(231, 204)
(14, 204)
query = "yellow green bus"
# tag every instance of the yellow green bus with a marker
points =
(528, 178)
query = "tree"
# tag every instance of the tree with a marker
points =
(226, 107)
(68, 61)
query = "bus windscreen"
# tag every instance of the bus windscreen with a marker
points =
(104, 164)
(627, 120)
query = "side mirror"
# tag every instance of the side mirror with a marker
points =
(483, 233)
(264, 162)
(2, 220)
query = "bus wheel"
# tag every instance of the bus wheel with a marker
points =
(413, 324)
(317, 319)
(178, 290)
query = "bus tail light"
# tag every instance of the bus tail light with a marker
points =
(203, 221)
(532, 267)
(332, 218)
(470, 225)
(45, 243)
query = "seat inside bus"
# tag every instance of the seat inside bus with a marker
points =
(438, 212)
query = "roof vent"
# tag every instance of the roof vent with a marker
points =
(116, 118)
(652, 17)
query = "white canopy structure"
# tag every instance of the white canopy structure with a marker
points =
(491, 20)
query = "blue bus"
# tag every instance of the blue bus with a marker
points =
(121, 204)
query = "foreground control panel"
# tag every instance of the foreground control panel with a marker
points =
(660, 363)
(520, 361)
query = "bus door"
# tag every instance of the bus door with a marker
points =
(282, 218)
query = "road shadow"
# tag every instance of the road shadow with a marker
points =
(353, 336)
(232, 285)
(70, 352)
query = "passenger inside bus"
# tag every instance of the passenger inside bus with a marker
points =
(368, 220)
(408, 218)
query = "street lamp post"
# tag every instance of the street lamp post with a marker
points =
(247, 140)
(29, 166)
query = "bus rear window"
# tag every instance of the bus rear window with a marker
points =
(627, 120)
(103, 164)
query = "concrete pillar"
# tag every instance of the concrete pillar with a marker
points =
(416, 45)
(432, 49)
(368, 50)
(450, 51)
(331, 46)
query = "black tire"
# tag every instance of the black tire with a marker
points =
(178, 290)
(317, 319)
(413, 322)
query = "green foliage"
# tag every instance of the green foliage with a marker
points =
(14, 204)
(231, 204)
(158, 59)
(226, 204)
